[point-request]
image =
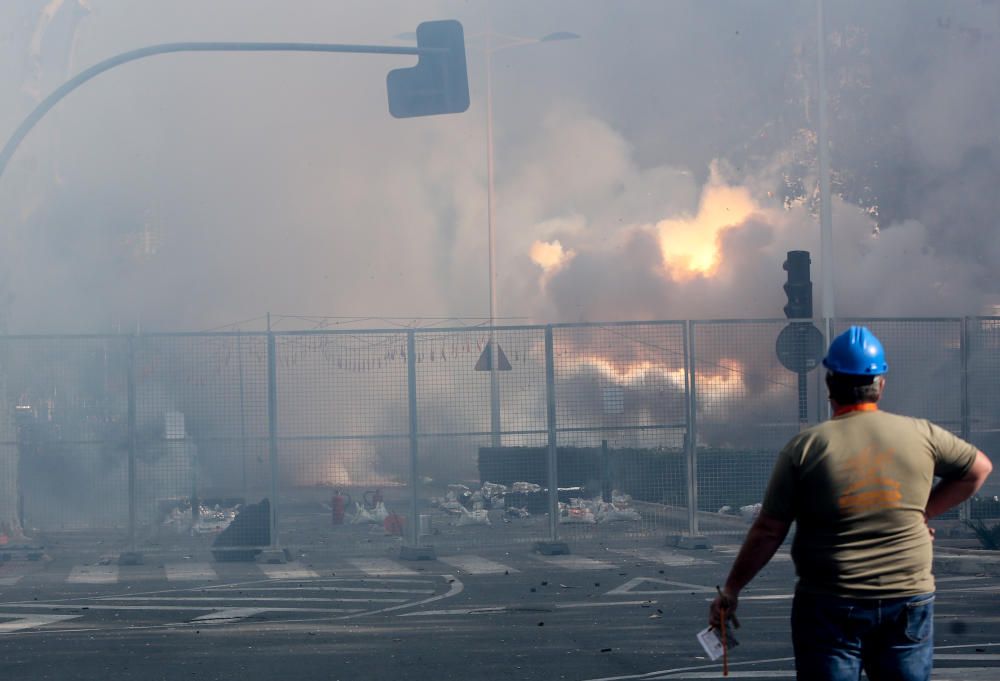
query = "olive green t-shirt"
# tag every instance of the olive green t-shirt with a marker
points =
(857, 486)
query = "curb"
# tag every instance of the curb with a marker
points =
(967, 564)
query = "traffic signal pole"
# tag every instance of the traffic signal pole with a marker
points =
(800, 342)
(445, 55)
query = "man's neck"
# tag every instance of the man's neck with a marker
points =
(840, 410)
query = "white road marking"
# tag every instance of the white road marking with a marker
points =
(331, 589)
(966, 657)
(520, 609)
(164, 608)
(456, 588)
(381, 566)
(190, 572)
(756, 674)
(230, 614)
(93, 574)
(10, 581)
(476, 565)
(485, 610)
(591, 604)
(630, 587)
(664, 557)
(576, 563)
(375, 580)
(20, 622)
(248, 599)
(732, 549)
(288, 571)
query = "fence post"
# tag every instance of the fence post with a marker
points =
(606, 474)
(411, 383)
(965, 508)
(243, 411)
(553, 545)
(272, 428)
(413, 550)
(691, 439)
(130, 377)
(553, 467)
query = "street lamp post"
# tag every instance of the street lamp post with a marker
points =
(494, 350)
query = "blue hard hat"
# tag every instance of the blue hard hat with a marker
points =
(857, 352)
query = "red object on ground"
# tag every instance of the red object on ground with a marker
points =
(339, 505)
(393, 524)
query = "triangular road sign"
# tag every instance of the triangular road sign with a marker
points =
(484, 359)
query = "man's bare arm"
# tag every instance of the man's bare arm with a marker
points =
(762, 541)
(760, 545)
(950, 493)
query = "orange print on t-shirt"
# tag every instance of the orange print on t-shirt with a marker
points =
(871, 488)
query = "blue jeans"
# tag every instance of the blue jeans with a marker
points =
(834, 638)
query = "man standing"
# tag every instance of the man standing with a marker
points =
(860, 488)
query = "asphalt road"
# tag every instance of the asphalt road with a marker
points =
(597, 614)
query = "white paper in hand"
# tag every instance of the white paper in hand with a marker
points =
(711, 643)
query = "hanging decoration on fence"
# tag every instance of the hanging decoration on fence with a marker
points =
(376, 352)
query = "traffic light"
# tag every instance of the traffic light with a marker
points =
(799, 287)
(439, 83)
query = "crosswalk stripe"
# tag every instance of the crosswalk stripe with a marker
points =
(190, 572)
(664, 557)
(576, 563)
(477, 565)
(93, 574)
(288, 571)
(380, 567)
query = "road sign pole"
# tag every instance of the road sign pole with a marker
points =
(803, 398)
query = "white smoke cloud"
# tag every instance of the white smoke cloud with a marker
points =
(194, 190)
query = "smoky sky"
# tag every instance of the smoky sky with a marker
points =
(193, 191)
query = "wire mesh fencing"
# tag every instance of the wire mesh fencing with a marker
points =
(365, 441)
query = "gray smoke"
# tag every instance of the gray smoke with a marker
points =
(191, 191)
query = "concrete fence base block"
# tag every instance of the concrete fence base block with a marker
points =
(130, 558)
(552, 548)
(425, 552)
(689, 541)
(273, 556)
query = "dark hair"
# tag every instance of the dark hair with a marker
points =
(846, 389)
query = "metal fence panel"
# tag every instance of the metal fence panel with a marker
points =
(201, 432)
(983, 400)
(621, 424)
(168, 434)
(747, 407)
(64, 453)
(462, 461)
(925, 367)
(342, 431)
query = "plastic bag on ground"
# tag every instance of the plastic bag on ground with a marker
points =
(480, 517)
(750, 513)
(365, 515)
(525, 487)
(609, 513)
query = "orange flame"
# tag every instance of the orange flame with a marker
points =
(690, 244)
